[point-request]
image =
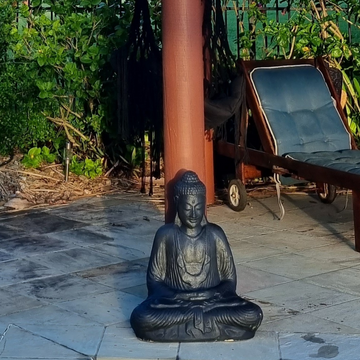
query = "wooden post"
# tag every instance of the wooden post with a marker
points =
(209, 144)
(183, 71)
(356, 214)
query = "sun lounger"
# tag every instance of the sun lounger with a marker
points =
(302, 129)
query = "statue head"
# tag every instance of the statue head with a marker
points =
(190, 200)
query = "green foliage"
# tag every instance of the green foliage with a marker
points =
(46, 155)
(33, 158)
(133, 155)
(57, 55)
(76, 166)
(37, 156)
(87, 167)
(92, 169)
(21, 123)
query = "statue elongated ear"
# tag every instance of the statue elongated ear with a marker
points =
(177, 220)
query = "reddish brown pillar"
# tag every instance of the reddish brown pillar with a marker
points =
(183, 93)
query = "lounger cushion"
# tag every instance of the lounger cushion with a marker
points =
(299, 109)
(343, 160)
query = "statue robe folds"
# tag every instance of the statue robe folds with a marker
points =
(192, 291)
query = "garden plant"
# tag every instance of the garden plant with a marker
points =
(57, 82)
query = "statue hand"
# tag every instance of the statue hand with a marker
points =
(193, 295)
(204, 294)
(182, 295)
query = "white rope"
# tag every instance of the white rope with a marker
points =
(281, 206)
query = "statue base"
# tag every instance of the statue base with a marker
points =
(188, 333)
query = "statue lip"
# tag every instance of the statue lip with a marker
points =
(193, 220)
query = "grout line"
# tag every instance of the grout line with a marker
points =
(100, 342)
(278, 344)
(178, 352)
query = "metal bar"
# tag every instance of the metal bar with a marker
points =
(298, 169)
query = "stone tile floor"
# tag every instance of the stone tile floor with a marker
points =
(70, 277)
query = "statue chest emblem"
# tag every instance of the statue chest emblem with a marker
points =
(193, 260)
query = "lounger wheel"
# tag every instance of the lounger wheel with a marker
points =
(328, 194)
(236, 195)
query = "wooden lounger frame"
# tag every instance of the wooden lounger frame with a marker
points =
(256, 160)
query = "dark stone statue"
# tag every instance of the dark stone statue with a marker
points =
(191, 279)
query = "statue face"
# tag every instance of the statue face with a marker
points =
(191, 210)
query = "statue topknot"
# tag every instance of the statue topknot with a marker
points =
(189, 184)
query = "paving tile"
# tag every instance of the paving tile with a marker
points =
(249, 279)
(109, 308)
(8, 214)
(96, 236)
(120, 215)
(82, 236)
(140, 291)
(341, 254)
(4, 256)
(128, 203)
(263, 346)
(6, 233)
(321, 346)
(239, 229)
(15, 271)
(300, 296)
(58, 288)
(244, 251)
(293, 266)
(142, 242)
(73, 207)
(91, 214)
(21, 344)
(60, 326)
(76, 259)
(289, 240)
(144, 233)
(124, 252)
(345, 280)
(346, 313)
(306, 323)
(312, 242)
(14, 302)
(139, 227)
(125, 202)
(119, 276)
(318, 222)
(41, 223)
(121, 343)
(113, 200)
(33, 244)
(273, 312)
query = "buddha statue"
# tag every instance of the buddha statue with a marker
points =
(191, 279)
